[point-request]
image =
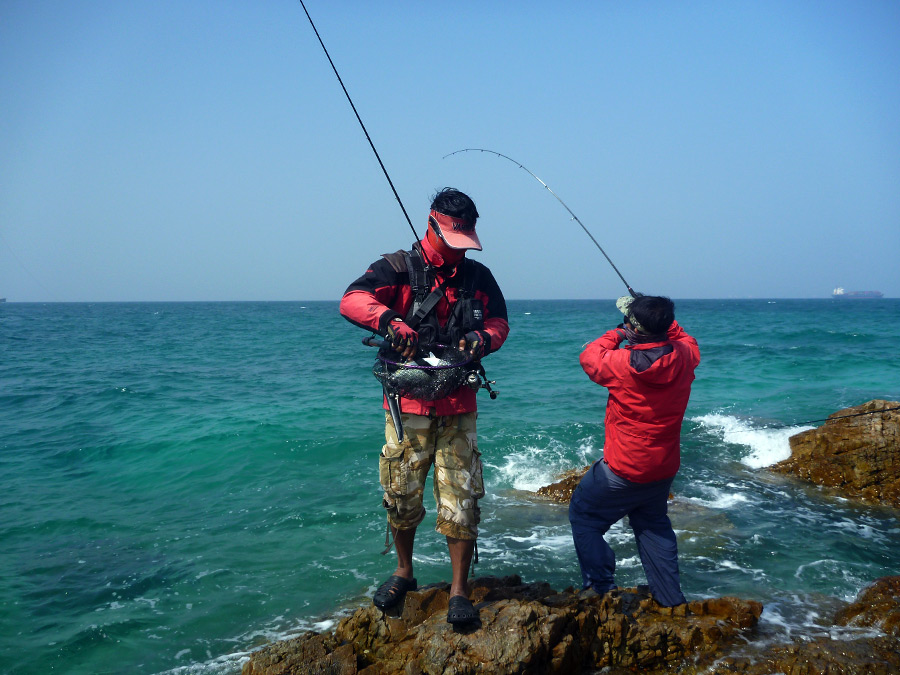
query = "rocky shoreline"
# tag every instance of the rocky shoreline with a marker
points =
(524, 628)
(532, 628)
(856, 453)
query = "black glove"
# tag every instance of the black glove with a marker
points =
(476, 343)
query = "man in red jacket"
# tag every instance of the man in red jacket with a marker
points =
(649, 383)
(433, 294)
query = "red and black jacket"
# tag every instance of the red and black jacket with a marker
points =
(383, 293)
(646, 402)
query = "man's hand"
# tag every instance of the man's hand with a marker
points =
(623, 304)
(403, 338)
(474, 343)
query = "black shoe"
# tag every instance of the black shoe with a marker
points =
(461, 611)
(392, 591)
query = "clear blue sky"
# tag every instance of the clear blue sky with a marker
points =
(203, 150)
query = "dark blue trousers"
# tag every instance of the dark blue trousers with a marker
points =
(601, 499)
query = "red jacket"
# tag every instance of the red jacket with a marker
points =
(383, 293)
(645, 409)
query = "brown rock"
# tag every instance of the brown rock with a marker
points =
(561, 491)
(524, 628)
(311, 654)
(877, 606)
(857, 451)
(865, 656)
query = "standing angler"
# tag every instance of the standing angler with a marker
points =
(649, 383)
(431, 295)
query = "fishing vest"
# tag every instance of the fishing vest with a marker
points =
(466, 314)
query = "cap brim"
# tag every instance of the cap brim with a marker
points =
(460, 240)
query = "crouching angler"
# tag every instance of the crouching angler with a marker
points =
(440, 313)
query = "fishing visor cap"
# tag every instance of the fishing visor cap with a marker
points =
(457, 233)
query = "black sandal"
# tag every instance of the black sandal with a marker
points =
(460, 611)
(392, 591)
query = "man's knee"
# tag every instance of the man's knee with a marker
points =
(458, 480)
(457, 497)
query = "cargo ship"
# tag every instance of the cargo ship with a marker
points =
(851, 295)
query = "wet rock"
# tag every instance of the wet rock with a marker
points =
(857, 451)
(864, 656)
(311, 654)
(877, 606)
(524, 628)
(561, 491)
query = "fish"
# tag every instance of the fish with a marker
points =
(428, 377)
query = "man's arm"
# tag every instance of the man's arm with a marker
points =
(366, 302)
(595, 359)
(496, 319)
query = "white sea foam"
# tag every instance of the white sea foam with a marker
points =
(860, 530)
(531, 467)
(228, 663)
(719, 498)
(632, 562)
(531, 537)
(803, 616)
(544, 540)
(766, 446)
(840, 573)
(725, 565)
(274, 632)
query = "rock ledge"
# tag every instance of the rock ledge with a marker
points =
(524, 628)
(857, 452)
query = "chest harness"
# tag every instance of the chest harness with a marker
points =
(466, 313)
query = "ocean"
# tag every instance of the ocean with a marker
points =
(182, 482)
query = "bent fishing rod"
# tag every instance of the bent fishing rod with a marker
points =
(574, 217)
(359, 119)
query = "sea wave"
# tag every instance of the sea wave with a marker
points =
(764, 446)
(533, 466)
(717, 498)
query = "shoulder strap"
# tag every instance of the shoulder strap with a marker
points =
(397, 260)
(467, 283)
(419, 282)
(420, 285)
(418, 313)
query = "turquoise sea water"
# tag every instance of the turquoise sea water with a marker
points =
(180, 482)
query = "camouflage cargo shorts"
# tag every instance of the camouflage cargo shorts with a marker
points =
(450, 444)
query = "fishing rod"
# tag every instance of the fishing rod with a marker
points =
(630, 289)
(392, 399)
(359, 119)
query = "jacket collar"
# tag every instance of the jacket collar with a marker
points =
(436, 259)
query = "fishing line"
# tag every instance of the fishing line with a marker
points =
(574, 217)
(800, 424)
(359, 119)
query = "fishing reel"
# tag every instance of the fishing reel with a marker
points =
(477, 379)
